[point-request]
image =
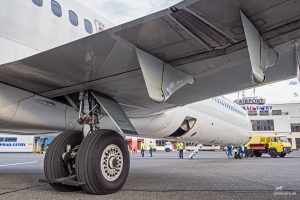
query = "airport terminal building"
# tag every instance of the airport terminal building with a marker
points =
(270, 119)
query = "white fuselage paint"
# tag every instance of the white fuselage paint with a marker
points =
(21, 19)
(27, 113)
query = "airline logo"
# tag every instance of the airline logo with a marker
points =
(6, 144)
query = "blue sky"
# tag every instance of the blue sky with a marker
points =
(121, 11)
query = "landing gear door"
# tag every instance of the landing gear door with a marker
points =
(116, 114)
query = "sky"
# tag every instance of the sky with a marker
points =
(287, 91)
(121, 11)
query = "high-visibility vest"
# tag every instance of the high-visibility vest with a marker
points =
(180, 146)
(151, 145)
(143, 146)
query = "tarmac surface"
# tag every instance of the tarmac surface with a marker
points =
(211, 175)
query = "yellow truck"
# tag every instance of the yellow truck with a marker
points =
(275, 146)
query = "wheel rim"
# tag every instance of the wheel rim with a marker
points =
(273, 153)
(111, 162)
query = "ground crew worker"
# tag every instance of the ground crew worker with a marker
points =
(229, 151)
(242, 150)
(150, 148)
(180, 147)
(143, 147)
(247, 153)
(238, 152)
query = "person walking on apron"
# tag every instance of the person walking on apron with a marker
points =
(150, 149)
(143, 147)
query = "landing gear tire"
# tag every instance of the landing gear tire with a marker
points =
(102, 162)
(282, 155)
(54, 165)
(273, 153)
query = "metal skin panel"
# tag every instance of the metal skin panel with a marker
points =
(261, 55)
(10, 98)
(25, 113)
(8, 112)
(162, 79)
(116, 114)
(11, 95)
(41, 114)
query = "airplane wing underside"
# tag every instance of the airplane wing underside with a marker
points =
(193, 51)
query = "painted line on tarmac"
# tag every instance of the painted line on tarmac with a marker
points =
(14, 164)
(21, 189)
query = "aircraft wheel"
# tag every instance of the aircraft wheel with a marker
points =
(54, 165)
(102, 162)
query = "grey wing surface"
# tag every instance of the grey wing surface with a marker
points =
(198, 48)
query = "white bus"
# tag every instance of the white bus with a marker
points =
(16, 143)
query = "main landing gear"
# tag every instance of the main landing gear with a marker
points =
(96, 162)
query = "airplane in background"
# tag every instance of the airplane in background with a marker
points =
(63, 68)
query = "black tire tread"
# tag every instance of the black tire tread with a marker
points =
(275, 151)
(50, 166)
(282, 155)
(82, 169)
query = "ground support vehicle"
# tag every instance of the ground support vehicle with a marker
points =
(275, 146)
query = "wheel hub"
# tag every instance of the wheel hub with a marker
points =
(111, 162)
